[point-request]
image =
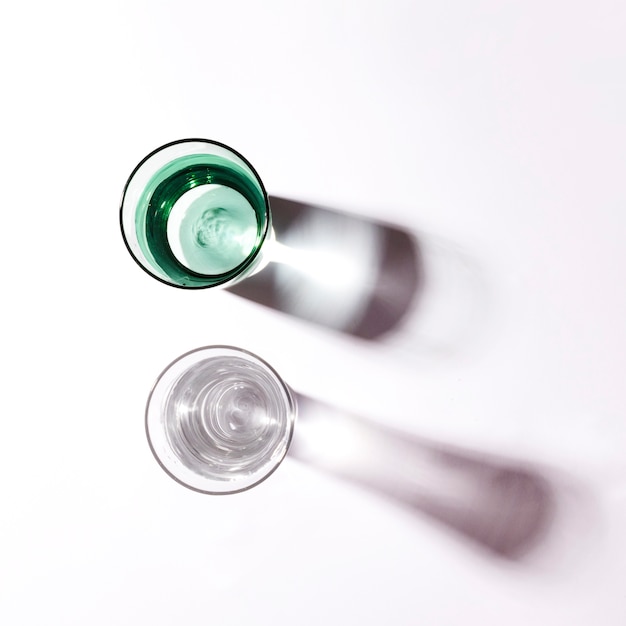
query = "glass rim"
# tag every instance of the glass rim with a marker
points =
(234, 350)
(227, 277)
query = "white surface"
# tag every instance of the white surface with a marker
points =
(495, 126)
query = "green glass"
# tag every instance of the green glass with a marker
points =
(195, 214)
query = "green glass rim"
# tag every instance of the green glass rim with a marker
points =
(217, 279)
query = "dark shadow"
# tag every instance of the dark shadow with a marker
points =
(504, 507)
(337, 270)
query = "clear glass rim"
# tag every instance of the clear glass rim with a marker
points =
(231, 275)
(234, 350)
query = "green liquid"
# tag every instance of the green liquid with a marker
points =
(201, 220)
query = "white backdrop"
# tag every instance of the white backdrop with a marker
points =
(496, 127)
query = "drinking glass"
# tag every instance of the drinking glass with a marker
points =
(195, 214)
(220, 419)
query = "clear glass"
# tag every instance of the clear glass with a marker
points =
(195, 214)
(220, 419)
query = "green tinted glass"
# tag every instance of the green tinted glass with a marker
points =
(195, 214)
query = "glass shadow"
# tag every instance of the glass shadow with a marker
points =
(347, 273)
(504, 507)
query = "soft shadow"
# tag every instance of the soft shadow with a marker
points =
(348, 273)
(506, 508)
